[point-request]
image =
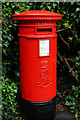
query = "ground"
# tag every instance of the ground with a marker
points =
(62, 113)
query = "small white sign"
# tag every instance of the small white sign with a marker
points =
(44, 47)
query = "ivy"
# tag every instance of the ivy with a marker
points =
(68, 48)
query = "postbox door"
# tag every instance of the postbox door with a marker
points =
(38, 68)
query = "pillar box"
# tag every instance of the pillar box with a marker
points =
(38, 62)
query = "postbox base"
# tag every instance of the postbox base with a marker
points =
(39, 110)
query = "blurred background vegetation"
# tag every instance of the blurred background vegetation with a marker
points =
(68, 61)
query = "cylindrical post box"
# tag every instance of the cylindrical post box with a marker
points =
(38, 56)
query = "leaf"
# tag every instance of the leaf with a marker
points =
(54, 5)
(77, 9)
(76, 115)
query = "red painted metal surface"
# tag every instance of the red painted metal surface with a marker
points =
(37, 72)
(37, 15)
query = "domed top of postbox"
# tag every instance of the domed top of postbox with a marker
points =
(37, 15)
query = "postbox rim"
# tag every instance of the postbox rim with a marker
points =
(37, 15)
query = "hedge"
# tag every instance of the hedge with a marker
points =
(68, 63)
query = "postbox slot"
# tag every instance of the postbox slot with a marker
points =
(44, 30)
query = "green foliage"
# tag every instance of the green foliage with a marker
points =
(8, 99)
(70, 24)
(77, 71)
(73, 101)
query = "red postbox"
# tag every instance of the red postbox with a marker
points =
(38, 56)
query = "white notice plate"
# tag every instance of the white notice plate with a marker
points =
(44, 48)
